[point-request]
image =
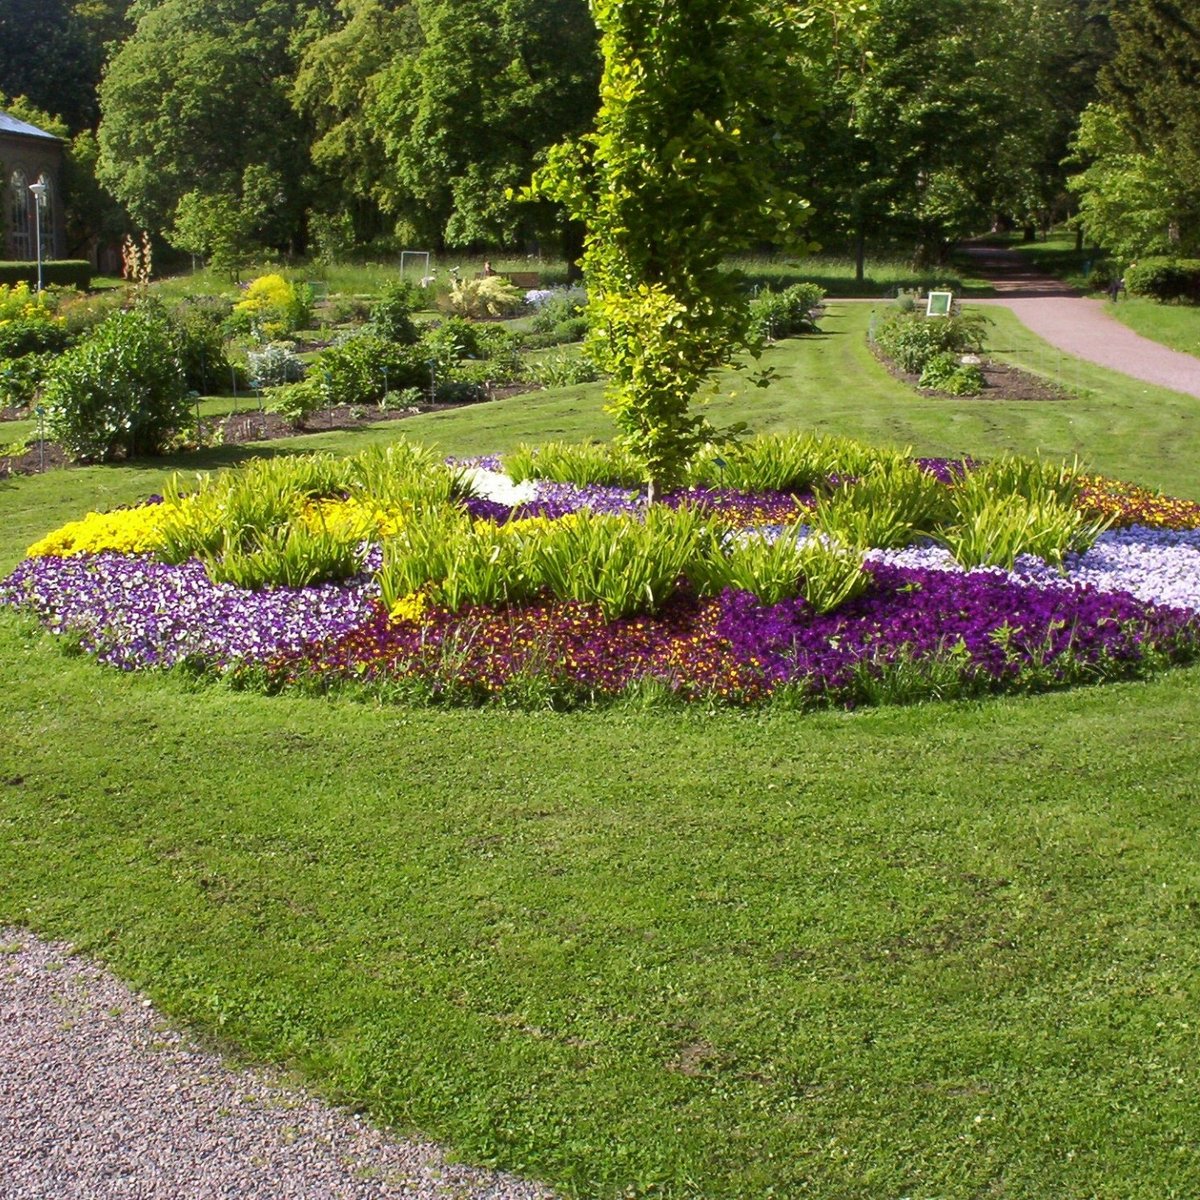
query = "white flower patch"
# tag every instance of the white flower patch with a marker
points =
(498, 487)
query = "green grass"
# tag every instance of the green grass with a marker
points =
(943, 951)
(1174, 325)
(1057, 256)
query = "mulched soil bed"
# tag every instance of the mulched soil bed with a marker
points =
(237, 429)
(1001, 382)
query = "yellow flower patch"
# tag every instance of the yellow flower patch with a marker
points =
(352, 518)
(126, 531)
(409, 608)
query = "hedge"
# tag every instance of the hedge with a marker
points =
(1165, 279)
(64, 272)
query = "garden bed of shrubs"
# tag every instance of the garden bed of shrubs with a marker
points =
(120, 376)
(945, 356)
(797, 570)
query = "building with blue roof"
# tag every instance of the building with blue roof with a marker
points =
(29, 155)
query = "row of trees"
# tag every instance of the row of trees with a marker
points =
(335, 124)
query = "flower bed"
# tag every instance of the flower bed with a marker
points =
(920, 626)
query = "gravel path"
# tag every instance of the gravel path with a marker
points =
(1081, 326)
(99, 1100)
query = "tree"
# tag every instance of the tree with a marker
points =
(467, 118)
(1128, 199)
(198, 100)
(44, 56)
(936, 116)
(1153, 86)
(335, 88)
(681, 170)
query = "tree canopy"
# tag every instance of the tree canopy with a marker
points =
(375, 122)
(198, 101)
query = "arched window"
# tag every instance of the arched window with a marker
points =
(21, 222)
(47, 217)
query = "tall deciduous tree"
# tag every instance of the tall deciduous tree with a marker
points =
(338, 79)
(681, 171)
(467, 118)
(1153, 85)
(197, 100)
(45, 56)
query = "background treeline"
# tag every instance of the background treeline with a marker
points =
(344, 127)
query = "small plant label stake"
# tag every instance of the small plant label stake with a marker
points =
(41, 416)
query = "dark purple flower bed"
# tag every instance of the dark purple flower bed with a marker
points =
(914, 632)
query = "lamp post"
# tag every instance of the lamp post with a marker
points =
(39, 194)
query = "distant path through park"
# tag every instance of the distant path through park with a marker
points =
(1080, 325)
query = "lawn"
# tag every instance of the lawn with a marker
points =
(937, 951)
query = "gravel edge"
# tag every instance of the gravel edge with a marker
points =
(100, 1098)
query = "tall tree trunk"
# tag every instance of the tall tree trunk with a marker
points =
(860, 253)
(573, 235)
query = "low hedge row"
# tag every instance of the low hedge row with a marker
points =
(63, 272)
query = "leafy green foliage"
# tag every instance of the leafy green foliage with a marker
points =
(897, 501)
(603, 463)
(391, 314)
(468, 352)
(201, 341)
(297, 402)
(1165, 279)
(1150, 89)
(467, 116)
(1013, 506)
(680, 171)
(21, 377)
(623, 566)
(774, 569)
(196, 101)
(946, 372)
(1127, 198)
(788, 462)
(336, 88)
(911, 339)
(561, 369)
(560, 307)
(120, 391)
(38, 334)
(361, 368)
(775, 315)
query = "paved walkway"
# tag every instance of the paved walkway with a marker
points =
(1080, 325)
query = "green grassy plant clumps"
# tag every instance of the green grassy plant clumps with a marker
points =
(264, 525)
(303, 520)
